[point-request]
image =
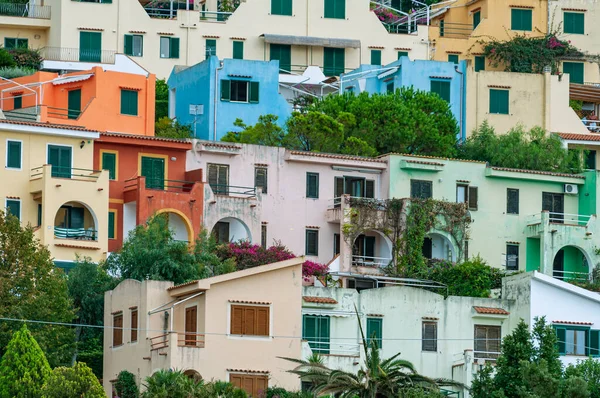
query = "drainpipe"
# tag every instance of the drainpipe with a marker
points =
(462, 93)
(217, 69)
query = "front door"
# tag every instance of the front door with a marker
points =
(191, 322)
(74, 104)
(154, 171)
(559, 265)
(59, 157)
(555, 204)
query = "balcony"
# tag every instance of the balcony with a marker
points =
(28, 10)
(64, 54)
(453, 30)
(557, 223)
(161, 9)
(234, 191)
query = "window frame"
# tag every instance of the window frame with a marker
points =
(508, 200)
(309, 194)
(282, 10)
(433, 83)
(477, 63)
(335, 54)
(116, 170)
(6, 200)
(265, 186)
(237, 47)
(369, 325)
(239, 380)
(520, 12)
(333, 10)
(499, 109)
(234, 306)
(402, 54)
(588, 344)
(476, 19)
(263, 235)
(125, 111)
(434, 341)
(209, 46)
(17, 102)
(376, 57)
(574, 24)
(20, 155)
(511, 247)
(323, 344)
(132, 52)
(17, 41)
(571, 74)
(114, 213)
(219, 189)
(487, 351)
(454, 58)
(310, 231)
(418, 181)
(173, 47)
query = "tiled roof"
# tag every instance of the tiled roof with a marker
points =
(573, 323)
(429, 157)
(49, 125)
(250, 302)
(144, 137)
(248, 371)
(430, 318)
(491, 311)
(319, 300)
(424, 162)
(217, 145)
(182, 285)
(337, 156)
(545, 173)
(579, 137)
(76, 246)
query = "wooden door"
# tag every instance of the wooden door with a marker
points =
(191, 323)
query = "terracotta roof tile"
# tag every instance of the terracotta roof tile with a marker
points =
(579, 137)
(248, 371)
(319, 300)
(573, 323)
(49, 125)
(546, 173)
(144, 137)
(336, 156)
(491, 311)
(423, 162)
(217, 145)
(430, 318)
(408, 155)
(76, 246)
(182, 285)
(250, 302)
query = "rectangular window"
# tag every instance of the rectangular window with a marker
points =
(375, 57)
(15, 42)
(211, 48)
(14, 153)
(154, 171)
(253, 385)
(462, 193)
(59, 157)
(335, 9)
(521, 19)
(312, 185)
(512, 201)
(421, 189)
(389, 88)
(281, 7)
(336, 244)
(238, 50)
(402, 54)
(441, 88)
(260, 178)
(590, 160)
(312, 242)
(109, 162)
(283, 54)
(248, 320)
(315, 330)
(90, 46)
(576, 342)
(429, 336)
(473, 198)
(375, 331)
(221, 232)
(74, 104)
(442, 32)
(134, 325)
(169, 47)
(39, 214)
(13, 206)
(574, 23)
(118, 329)
(129, 102)
(263, 236)
(487, 341)
(18, 101)
(133, 45)
(453, 58)
(218, 178)
(334, 61)
(239, 91)
(512, 257)
(479, 63)
(573, 340)
(476, 19)
(112, 225)
(499, 100)
(575, 71)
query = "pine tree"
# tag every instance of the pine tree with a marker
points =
(24, 368)
(76, 382)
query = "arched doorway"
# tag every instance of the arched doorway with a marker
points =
(438, 247)
(571, 264)
(179, 224)
(230, 229)
(75, 220)
(371, 249)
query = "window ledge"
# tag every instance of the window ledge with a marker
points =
(117, 346)
(249, 337)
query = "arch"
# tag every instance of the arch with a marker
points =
(186, 222)
(71, 224)
(371, 248)
(231, 229)
(439, 246)
(571, 262)
(192, 374)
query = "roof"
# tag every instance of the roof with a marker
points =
(143, 137)
(219, 145)
(574, 323)
(71, 79)
(424, 162)
(337, 156)
(311, 41)
(579, 137)
(429, 157)
(48, 125)
(584, 92)
(319, 300)
(491, 311)
(545, 173)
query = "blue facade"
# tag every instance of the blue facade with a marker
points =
(244, 89)
(419, 74)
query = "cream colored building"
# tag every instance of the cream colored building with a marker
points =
(49, 183)
(231, 327)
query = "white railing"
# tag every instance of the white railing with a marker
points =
(571, 276)
(486, 355)
(366, 261)
(592, 125)
(218, 16)
(332, 348)
(561, 218)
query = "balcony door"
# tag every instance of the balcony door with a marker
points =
(60, 158)
(191, 323)
(154, 171)
(354, 186)
(555, 204)
(90, 46)
(364, 246)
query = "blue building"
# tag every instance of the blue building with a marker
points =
(211, 95)
(445, 78)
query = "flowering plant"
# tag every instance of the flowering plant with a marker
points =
(311, 268)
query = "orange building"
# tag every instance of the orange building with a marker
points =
(94, 99)
(147, 175)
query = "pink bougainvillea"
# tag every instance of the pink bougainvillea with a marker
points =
(311, 268)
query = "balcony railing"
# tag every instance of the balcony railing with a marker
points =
(569, 276)
(454, 30)
(592, 125)
(190, 340)
(561, 218)
(334, 348)
(161, 184)
(366, 261)
(233, 190)
(25, 10)
(218, 16)
(487, 355)
(76, 233)
(158, 342)
(78, 55)
(66, 172)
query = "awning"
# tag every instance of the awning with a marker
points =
(584, 92)
(71, 79)
(311, 41)
(324, 312)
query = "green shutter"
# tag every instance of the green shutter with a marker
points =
(453, 58)
(312, 242)
(254, 91)
(340, 9)
(442, 23)
(174, 47)
(276, 7)
(128, 46)
(154, 171)
(90, 46)
(402, 54)
(594, 343)
(211, 48)
(312, 185)
(129, 102)
(238, 50)
(561, 337)
(575, 71)
(521, 19)
(574, 23)
(334, 61)
(282, 53)
(476, 19)
(76, 215)
(479, 63)
(109, 162)
(499, 102)
(375, 57)
(225, 90)
(329, 9)
(10, 43)
(374, 330)
(59, 157)
(74, 104)
(13, 157)
(14, 207)
(111, 225)
(286, 7)
(441, 88)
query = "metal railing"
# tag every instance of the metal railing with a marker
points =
(76, 233)
(190, 340)
(162, 184)
(592, 125)
(233, 190)
(568, 276)
(337, 202)
(455, 30)
(366, 261)
(487, 355)
(78, 55)
(218, 16)
(94, 1)
(158, 342)
(25, 10)
(561, 218)
(334, 348)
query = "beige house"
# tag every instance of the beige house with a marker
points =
(230, 327)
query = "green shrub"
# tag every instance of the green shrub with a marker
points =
(6, 59)
(126, 386)
(278, 392)
(75, 382)
(12, 72)
(26, 58)
(93, 359)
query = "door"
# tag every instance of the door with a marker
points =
(282, 53)
(218, 178)
(191, 322)
(59, 157)
(90, 46)
(221, 232)
(154, 171)
(555, 204)
(74, 104)
(558, 266)
(427, 248)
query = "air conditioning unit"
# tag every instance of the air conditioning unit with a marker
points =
(571, 189)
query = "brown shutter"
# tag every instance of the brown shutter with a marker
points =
(118, 330)
(250, 321)
(473, 194)
(236, 380)
(261, 385)
(191, 322)
(237, 319)
(249, 384)
(134, 325)
(262, 321)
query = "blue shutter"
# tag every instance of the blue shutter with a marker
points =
(174, 47)
(375, 331)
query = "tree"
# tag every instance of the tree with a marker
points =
(31, 287)
(589, 371)
(126, 386)
(314, 131)
(170, 384)
(161, 96)
(206, 253)
(265, 132)
(75, 382)
(167, 128)
(24, 368)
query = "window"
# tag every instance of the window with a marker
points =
(442, 23)
(90, 46)
(312, 185)
(14, 154)
(453, 58)
(375, 57)
(239, 91)
(512, 201)
(572, 340)
(238, 50)
(281, 7)
(590, 159)
(39, 214)
(312, 242)
(118, 329)
(335, 9)
(336, 244)
(473, 198)
(402, 54)
(512, 257)
(429, 336)
(476, 19)
(247, 320)
(575, 71)
(420, 189)
(17, 101)
(466, 250)
(74, 104)
(487, 341)
(253, 385)
(260, 178)
(112, 227)
(263, 236)
(375, 331)
(211, 48)
(479, 63)
(109, 162)
(364, 248)
(283, 54)
(134, 325)
(389, 88)
(334, 61)
(521, 19)
(59, 157)
(441, 88)
(574, 23)
(169, 47)
(154, 171)
(134, 45)
(315, 330)
(554, 203)
(13, 206)
(353, 186)
(15, 42)
(499, 101)
(462, 193)
(218, 178)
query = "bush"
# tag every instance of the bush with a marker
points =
(126, 386)
(6, 60)
(75, 382)
(93, 359)
(311, 268)
(247, 255)
(12, 72)
(26, 58)
(278, 392)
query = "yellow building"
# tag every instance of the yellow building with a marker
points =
(48, 183)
